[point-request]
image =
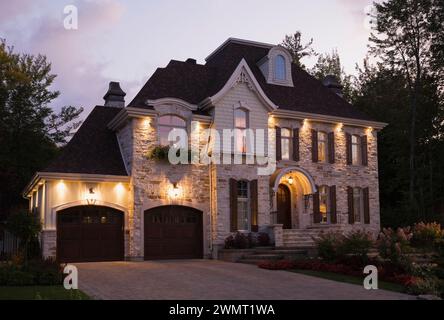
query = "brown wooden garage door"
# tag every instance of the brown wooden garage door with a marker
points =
(90, 233)
(173, 232)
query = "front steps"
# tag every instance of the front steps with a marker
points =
(303, 238)
(272, 254)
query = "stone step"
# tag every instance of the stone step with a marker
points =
(263, 257)
(248, 261)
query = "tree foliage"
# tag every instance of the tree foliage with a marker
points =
(298, 51)
(30, 130)
(330, 64)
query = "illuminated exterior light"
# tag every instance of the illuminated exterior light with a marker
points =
(290, 180)
(339, 127)
(91, 198)
(174, 192)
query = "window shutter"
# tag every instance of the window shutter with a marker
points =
(351, 215)
(296, 144)
(348, 145)
(316, 212)
(333, 216)
(365, 194)
(254, 205)
(233, 205)
(314, 145)
(278, 144)
(364, 152)
(331, 147)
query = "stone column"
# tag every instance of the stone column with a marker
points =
(278, 235)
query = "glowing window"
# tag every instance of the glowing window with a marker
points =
(168, 123)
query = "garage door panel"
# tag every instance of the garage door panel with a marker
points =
(95, 234)
(173, 232)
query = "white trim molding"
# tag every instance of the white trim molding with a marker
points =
(84, 177)
(171, 101)
(243, 74)
(290, 114)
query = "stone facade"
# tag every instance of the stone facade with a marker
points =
(206, 187)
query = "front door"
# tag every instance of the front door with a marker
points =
(284, 206)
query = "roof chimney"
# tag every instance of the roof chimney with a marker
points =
(191, 61)
(331, 82)
(115, 97)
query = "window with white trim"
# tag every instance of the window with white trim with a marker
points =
(322, 146)
(279, 68)
(243, 205)
(285, 143)
(358, 205)
(356, 149)
(323, 204)
(166, 124)
(240, 124)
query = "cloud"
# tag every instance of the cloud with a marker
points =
(73, 53)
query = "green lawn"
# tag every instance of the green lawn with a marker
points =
(41, 293)
(350, 279)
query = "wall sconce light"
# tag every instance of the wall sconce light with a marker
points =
(339, 127)
(174, 192)
(290, 180)
(369, 130)
(91, 197)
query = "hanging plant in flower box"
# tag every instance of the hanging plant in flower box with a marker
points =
(160, 153)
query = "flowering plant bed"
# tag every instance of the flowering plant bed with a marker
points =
(386, 271)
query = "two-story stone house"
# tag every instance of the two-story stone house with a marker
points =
(105, 198)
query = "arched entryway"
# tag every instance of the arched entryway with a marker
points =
(284, 206)
(89, 234)
(173, 232)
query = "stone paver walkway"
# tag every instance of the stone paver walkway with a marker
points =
(209, 279)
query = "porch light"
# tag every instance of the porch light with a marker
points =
(91, 198)
(174, 192)
(290, 180)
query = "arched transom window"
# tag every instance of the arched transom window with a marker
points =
(168, 123)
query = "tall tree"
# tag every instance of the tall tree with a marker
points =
(30, 130)
(402, 39)
(298, 51)
(330, 64)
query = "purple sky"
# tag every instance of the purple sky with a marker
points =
(127, 40)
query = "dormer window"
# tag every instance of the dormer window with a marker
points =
(276, 67)
(279, 69)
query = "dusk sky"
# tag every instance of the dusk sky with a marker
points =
(127, 40)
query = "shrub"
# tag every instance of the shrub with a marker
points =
(357, 243)
(26, 227)
(430, 285)
(328, 245)
(393, 245)
(36, 272)
(238, 241)
(425, 234)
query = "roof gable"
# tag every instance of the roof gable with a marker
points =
(194, 83)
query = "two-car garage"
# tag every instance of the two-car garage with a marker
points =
(96, 233)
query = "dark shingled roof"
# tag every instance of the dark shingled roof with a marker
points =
(93, 149)
(193, 83)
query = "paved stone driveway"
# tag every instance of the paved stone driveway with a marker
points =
(209, 279)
